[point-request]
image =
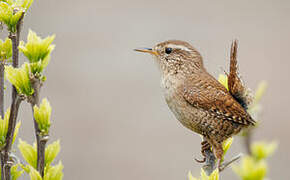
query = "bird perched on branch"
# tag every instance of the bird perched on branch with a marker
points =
(197, 99)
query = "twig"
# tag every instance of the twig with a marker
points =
(16, 100)
(2, 166)
(226, 164)
(2, 104)
(40, 139)
(6, 164)
(209, 166)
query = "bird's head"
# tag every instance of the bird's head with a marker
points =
(175, 57)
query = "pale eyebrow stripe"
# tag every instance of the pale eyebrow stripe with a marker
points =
(173, 46)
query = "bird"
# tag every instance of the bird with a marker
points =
(199, 101)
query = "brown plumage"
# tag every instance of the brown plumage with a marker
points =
(235, 84)
(196, 98)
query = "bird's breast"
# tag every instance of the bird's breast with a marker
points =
(184, 113)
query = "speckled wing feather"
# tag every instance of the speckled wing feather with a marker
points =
(207, 93)
(235, 84)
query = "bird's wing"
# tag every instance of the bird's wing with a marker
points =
(235, 84)
(207, 93)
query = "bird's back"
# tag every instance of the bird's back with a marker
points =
(225, 116)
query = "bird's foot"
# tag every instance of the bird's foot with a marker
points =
(204, 147)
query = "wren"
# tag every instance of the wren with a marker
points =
(196, 98)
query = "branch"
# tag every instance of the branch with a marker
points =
(6, 163)
(16, 100)
(209, 166)
(226, 164)
(2, 105)
(41, 140)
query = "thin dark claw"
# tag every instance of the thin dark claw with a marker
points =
(200, 161)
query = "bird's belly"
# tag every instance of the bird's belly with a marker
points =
(187, 115)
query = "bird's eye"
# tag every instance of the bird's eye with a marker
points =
(168, 50)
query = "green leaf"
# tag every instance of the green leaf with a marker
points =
(223, 79)
(6, 13)
(226, 145)
(11, 12)
(53, 172)
(5, 49)
(37, 51)
(214, 175)
(19, 77)
(262, 150)
(26, 168)
(4, 128)
(261, 89)
(9, 2)
(26, 4)
(250, 169)
(34, 174)
(51, 151)
(28, 152)
(16, 131)
(190, 177)
(42, 116)
(14, 20)
(15, 173)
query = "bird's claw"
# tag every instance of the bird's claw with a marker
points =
(200, 161)
(204, 146)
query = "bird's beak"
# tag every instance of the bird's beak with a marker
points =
(147, 50)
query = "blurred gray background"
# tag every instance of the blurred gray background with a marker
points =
(108, 109)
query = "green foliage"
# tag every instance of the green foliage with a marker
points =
(51, 151)
(4, 128)
(5, 49)
(255, 108)
(250, 169)
(226, 146)
(15, 173)
(24, 4)
(50, 173)
(37, 51)
(11, 12)
(29, 152)
(214, 175)
(262, 150)
(254, 167)
(19, 77)
(8, 17)
(53, 172)
(42, 116)
(223, 79)
(16, 131)
(34, 174)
